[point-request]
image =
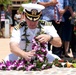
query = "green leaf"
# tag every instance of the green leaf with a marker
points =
(74, 65)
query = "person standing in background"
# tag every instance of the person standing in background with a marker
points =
(66, 33)
(2, 19)
(53, 12)
(72, 9)
(61, 6)
(22, 16)
(17, 17)
(48, 12)
(9, 16)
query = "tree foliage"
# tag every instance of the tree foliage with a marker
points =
(5, 2)
(21, 8)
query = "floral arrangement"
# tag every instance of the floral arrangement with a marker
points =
(38, 62)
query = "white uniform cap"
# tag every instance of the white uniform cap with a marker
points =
(31, 6)
(33, 11)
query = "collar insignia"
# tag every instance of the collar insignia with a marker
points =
(34, 12)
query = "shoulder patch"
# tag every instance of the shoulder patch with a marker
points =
(46, 23)
(20, 25)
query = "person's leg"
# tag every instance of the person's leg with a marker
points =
(2, 28)
(51, 57)
(58, 50)
(11, 57)
(66, 47)
(66, 36)
(73, 43)
(0, 31)
(10, 24)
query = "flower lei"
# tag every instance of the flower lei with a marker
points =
(57, 16)
(38, 62)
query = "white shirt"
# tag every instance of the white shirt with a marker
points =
(16, 35)
(18, 16)
(18, 38)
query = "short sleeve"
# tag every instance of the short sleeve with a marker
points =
(16, 36)
(40, 1)
(51, 31)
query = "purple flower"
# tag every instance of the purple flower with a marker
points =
(20, 67)
(2, 66)
(36, 63)
(43, 50)
(34, 42)
(29, 67)
(40, 58)
(11, 67)
(43, 66)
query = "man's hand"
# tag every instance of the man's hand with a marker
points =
(61, 11)
(29, 55)
(43, 38)
(54, 2)
(74, 14)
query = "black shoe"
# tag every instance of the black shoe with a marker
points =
(69, 51)
(67, 56)
(62, 56)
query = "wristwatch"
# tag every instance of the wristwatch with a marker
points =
(51, 38)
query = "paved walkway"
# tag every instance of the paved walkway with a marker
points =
(4, 48)
(51, 71)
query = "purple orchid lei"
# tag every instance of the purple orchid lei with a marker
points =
(38, 62)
